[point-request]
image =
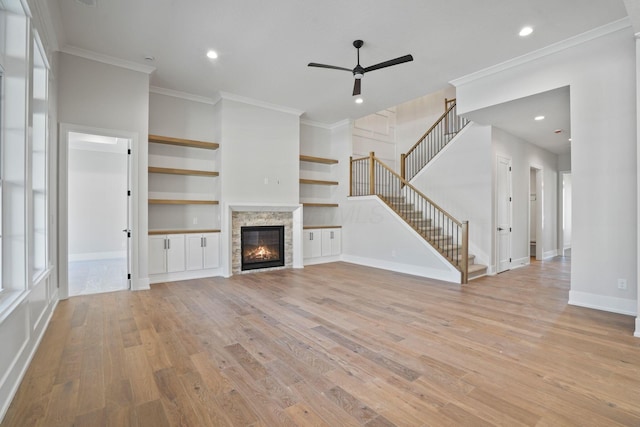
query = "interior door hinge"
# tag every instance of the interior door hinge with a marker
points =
(509, 229)
(509, 168)
(509, 198)
(129, 276)
(509, 259)
(128, 192)
(129, 152)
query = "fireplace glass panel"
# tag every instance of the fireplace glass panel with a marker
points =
(262, 247)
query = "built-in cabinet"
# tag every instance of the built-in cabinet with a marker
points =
(202, 251)
(166, 253)
(321, 242)
(184, 217)
(321, 233)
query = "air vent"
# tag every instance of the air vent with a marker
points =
(90, 3)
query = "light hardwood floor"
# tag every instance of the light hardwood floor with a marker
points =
(335, 345)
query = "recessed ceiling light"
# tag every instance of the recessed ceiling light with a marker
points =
(359, 100)
(212, 54)
(538, 118)
(525, 31)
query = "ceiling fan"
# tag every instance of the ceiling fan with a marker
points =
(359, 70)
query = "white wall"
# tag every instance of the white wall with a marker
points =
(191, 119)
(260, 154)
(523, 156)
(460, 181)
(372, 235)
(601, 74)
(416, 116)
(27, 300)
(97, 203)
(103, 96)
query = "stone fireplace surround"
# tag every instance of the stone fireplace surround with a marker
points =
(256, 215)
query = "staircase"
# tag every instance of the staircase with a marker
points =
(435, 235)
(370, 176)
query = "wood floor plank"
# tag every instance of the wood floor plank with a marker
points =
(337, 345)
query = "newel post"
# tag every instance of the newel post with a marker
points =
(372, 174)
(403, 174)
(464, 262)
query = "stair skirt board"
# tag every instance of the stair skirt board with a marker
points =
(414, 270)
(440, 242)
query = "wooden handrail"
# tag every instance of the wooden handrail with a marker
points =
(442, 117)
(418, 192)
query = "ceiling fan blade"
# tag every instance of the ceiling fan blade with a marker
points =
(389, 63)
(356, 87)
(333, 67)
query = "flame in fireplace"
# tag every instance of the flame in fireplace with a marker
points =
(261, 253)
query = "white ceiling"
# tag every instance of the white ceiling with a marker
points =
(264, 46)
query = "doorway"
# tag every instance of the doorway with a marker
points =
(98, 213)
(503, 214)
(536, 214)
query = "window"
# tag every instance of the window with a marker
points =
(39, 169)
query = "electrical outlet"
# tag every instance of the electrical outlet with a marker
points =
(195, 220)
(622, 284)
(266, 180)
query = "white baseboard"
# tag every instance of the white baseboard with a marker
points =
(447, 276)
(95, 256)
(322, 260)
(142, 285)
(520, 262)
(604, 303)
(184, 275)
(637, 332)
(550, 254)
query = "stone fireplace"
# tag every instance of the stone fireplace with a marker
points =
(244, 217)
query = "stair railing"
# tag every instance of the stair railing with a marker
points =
(371, 177)
(432, 142)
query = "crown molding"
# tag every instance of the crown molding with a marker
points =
(328, 126)
(47, 28)
(106, 59)
(183, 95)
(257, 103)
(604, 30)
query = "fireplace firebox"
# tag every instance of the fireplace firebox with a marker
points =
(262, 246)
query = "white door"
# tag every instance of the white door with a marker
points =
(194, 251)
(312, 246)
(211, 255)
(503, 214)
(326, 242)
(336, 242)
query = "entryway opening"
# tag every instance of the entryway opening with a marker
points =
(98, 194)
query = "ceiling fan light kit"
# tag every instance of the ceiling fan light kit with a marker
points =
(359, 71)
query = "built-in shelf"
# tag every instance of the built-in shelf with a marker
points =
(320, 205)
(173, 171)
(319, 227)
(181, 202)
(317, 182)
(313, 159)
(183, 231)
(183, 142)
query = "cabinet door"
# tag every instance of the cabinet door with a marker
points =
(336, 241)
(312, 244)
(326, 242)
(194, 251)
(175, 253)
(211, 255)
(331, 242)
(157, 255)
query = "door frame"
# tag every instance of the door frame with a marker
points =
(539, 189)
(63, 199)
(509, 160)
